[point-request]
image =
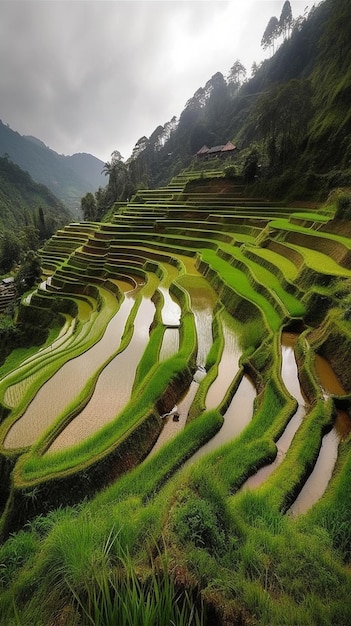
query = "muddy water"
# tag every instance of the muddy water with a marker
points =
(327, 377)
(237, 416)
(170, 344)
(202, 302)
(171, 311)
(228, 367)
(114, 385)
(290, 378)
(318, 480)
(171, 426)
(62, 388)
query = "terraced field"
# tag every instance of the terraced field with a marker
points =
(187, 333)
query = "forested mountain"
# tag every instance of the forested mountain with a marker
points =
(29, 213)
(68, 177)
(292, 117)
(20, 197)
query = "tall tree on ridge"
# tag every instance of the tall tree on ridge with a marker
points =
(286, 20)
(236, 77)
(270, 34)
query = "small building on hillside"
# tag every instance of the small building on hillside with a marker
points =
(223, 151)
(8, 281)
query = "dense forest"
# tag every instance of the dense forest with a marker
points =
(29, 214)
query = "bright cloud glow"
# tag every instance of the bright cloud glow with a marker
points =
(95, 75)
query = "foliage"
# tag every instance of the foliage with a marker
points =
(343, 206)
(196, 521)
(230, 171)
(295, 104)
(22, 200)
(29, 273)
(270, 34)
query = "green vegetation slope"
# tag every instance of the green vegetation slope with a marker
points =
(68, 177)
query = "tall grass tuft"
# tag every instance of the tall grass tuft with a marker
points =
(95, 574)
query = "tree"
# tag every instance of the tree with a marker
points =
(236, 77)
(254, 69)
(89, 208)
(270, 34)
(10, 250)
(286, 20)
(42, 225)
(283, 115)
(29, 238)
(120, 186)
(251, 166)
(29, 273)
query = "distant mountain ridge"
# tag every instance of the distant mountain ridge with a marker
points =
(68, 177)
(21, 199)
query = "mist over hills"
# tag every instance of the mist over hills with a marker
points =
(67, 177)
(21, 197)
(293, 114)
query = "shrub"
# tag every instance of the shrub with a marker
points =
(196, 522)
(230, 171)
(343, 206)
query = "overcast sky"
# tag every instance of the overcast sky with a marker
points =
(96, 75)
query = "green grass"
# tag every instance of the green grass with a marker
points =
(171, 542)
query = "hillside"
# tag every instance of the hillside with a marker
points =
(202, 446)
(21, 197)
(68, 177)
(293, 112)
(175, 399)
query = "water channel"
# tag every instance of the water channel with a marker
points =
(228, 366)
(236, 417)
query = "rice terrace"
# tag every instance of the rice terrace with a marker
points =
(175, 379)
(198, 343)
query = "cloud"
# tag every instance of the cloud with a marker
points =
(95, 75)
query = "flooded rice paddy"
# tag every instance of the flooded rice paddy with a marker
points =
(170, 343)
(228, 366)
(54, 397)
(114, 385)
(291, 381)
(237, 416)
(317, 482)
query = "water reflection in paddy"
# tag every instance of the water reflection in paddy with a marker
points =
(237, 416)
(289, 374)
(228, 366)
(318, 480)
(114, 385)
(171, 310)
(202, 300)
(62, 388)
(170, 343)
